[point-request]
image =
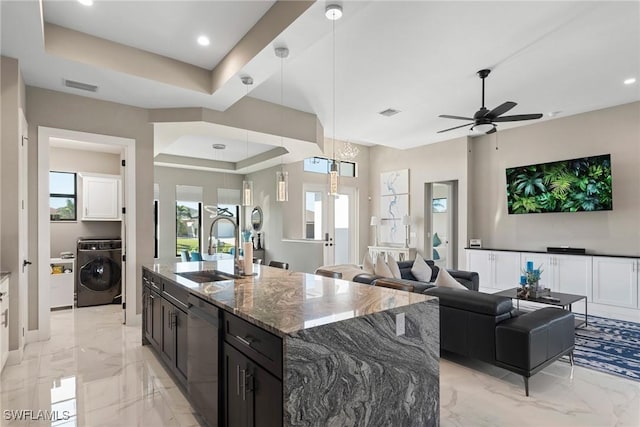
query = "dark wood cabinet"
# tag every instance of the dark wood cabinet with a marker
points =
(253, 397)
(174, 339)
(236, 384)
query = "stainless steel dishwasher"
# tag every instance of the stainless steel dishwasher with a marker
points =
(203, 364)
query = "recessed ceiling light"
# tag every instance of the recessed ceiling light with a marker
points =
(553, 113)
(630, 81)
(203, 41)
(219, 146)
(86, 2)
(333, 12)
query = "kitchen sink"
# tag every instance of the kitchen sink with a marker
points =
(206, 276)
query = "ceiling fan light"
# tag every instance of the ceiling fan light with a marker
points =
(483, 127)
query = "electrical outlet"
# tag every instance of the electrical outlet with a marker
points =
(400, 326)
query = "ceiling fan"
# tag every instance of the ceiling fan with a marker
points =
(484, 121)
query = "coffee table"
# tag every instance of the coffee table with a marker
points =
(562, 300)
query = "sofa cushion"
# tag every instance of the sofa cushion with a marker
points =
(367, 264)
(393, 266)
(420, 270)
(446, 280)
(476, 302)
(405, 270)
(381, 268)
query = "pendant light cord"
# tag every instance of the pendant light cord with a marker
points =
(333, 22)
(281, 110)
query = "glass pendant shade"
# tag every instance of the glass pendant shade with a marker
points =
(282, 186)
(247, 193)
(333, 179)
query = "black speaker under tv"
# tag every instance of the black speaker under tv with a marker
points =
(574, 185)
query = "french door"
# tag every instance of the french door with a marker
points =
(332, 220)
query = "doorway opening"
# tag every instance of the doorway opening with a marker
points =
(115, 220)
(441, 223)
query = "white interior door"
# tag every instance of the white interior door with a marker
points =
(331, 219)
(23, 230)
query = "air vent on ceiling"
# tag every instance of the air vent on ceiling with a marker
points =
(82, 86)
(389, 112)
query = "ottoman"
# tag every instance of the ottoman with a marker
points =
(528, 343)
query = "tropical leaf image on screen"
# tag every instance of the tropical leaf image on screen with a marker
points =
(566, 186)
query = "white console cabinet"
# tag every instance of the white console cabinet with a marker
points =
(101, 198)
(569, 274)
(496, 269)
(398, 253)
(615, 281)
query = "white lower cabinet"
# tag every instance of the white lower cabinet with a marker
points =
(569, 274)
(4, 321)
(496, 269)
(615, 281)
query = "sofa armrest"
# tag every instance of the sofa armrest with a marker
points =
(476, 302)
(365, 278)
(470, 279)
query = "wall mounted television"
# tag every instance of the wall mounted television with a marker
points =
(574, 185)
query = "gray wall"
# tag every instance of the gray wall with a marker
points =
(167, 179)
(65, 234)
(284, 220)
(444, 161)
(72, 112)
(613, 130)
(12, 89)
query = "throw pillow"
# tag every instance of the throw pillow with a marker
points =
(382, 269)
(421, 270)
(393, 266)
(367, 264)
(436, 240)
(446, 280)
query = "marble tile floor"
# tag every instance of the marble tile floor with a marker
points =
(96, 369)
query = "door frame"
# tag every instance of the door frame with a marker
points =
(453, 218)
(44, 230)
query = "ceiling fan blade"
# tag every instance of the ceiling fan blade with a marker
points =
(446, 116)
(518, 118)
(457, 127)
(494, 130)
(500, 109)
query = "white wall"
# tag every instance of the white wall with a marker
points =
(444, 161)
(64, 235)
(167, 179)
(613, 130)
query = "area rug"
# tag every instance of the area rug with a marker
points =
(611, 346)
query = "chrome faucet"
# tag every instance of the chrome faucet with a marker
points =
(238, 268)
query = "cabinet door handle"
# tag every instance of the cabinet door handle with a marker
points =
(237, 380)
(243, 383)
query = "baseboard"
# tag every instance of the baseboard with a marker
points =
(136, 321)
(32, 336)
(15, 357)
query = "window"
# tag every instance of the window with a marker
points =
(323, 165)
(156, 229)
(62, 196)
(188, 225)
(313, 215)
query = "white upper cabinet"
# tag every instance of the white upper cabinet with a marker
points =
(101, 198)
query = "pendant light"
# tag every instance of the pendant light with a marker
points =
(333, 12)
(247, 186)
(282, 176)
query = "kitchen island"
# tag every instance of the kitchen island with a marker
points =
(293, 349)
